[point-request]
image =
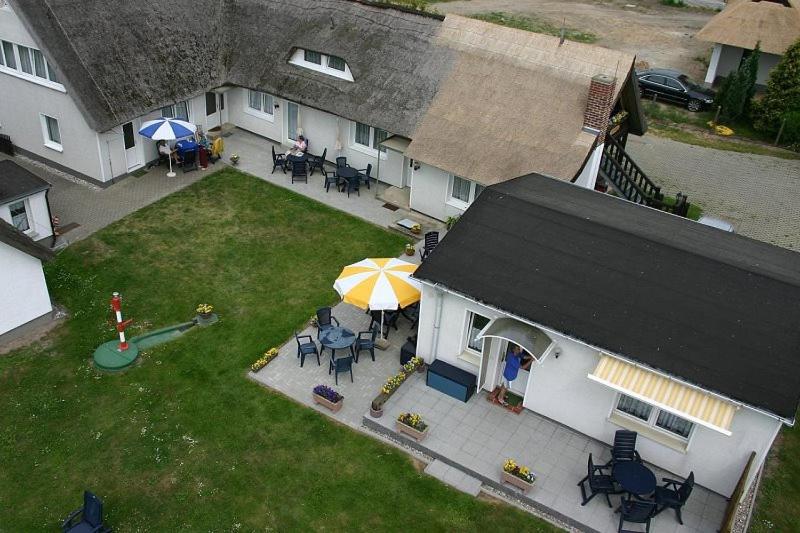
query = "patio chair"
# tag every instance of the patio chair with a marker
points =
(411, 313)
(625, 447)
(88, 518)
(366, 343)
(300, 172)
(341, 364)
(431, 240)
(673, 495)
(636, 512)
(365, 174)
(330, 179)
(316, 162)
(325, 319)
(389, 320)
(278, 160)
(189, 161)
(352, 185)
(599, 483)
(341, 162)
(306, 346)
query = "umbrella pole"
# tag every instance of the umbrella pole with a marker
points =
(382, 343)
(170, 174)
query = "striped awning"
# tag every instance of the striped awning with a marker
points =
(665, 393)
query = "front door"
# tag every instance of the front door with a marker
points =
(133, 154)
(212, 111)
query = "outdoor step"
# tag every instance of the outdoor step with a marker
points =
(454, 477)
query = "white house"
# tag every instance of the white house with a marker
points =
(23, 290)
(635, 319)
(439, 106)
(774, 25)
(23, 201)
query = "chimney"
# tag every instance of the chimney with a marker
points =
(598, 105)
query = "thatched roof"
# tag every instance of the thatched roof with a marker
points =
(121, 59)
(744, 23)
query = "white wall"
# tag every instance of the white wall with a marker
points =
(23, 291)
(38, 215)
(429, 192)
(731, 56)
(588, 176)
(561, 391)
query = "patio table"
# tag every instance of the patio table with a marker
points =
(185, 145)
(337, 338)
(634, 477)
(346, 173)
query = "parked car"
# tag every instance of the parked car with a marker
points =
(674, 86)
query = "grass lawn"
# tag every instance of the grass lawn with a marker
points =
(776, 506)
(537, 25)
(184, 441)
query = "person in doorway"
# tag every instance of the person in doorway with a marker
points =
(514, 361)
(164, 149)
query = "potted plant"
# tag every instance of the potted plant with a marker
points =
(415, 363)
(410, 249)
(412, 425)
(376, 407)
(205, 314)
(326, 396)
(416, 228)
(518, 475)
(450, 222)
(235, 159)
(313, 321)
(264, 360)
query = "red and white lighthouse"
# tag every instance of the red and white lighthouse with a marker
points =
(116, 306)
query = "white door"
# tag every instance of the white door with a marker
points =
(223, 111)
(212, 111)
(406, 177)
(292, 120)
(133, 149)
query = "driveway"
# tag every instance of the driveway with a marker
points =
(759, 194)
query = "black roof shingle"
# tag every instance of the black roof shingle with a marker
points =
(16, 182)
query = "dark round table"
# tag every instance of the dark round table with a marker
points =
(634, 477)
(346, 172)
(337, 338)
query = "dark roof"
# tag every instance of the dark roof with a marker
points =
(16, 239)
(16, 182)
(715, 309)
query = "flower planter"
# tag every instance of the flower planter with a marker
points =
(375, 413)
(206, 319)
(421, 369)
(411, 432)
(520, 483)
(334, 407)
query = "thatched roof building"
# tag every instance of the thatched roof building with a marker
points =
(743, 23)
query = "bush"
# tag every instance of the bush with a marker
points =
(738, 88)
(782, 98)
(791, 130)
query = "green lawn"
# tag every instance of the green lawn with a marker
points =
(776, 506)
(184, 441)
(534, 24)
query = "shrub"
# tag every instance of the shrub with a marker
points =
(791, 130)
(738, 88)
(782, 97)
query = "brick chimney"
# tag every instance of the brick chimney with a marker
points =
(598, 105)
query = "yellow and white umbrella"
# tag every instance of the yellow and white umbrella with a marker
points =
(378, 284)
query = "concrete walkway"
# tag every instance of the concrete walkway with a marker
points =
(759, 194)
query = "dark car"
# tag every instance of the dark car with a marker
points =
(674, 86)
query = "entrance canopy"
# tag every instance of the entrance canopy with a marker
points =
(529, 338)
(665, 393)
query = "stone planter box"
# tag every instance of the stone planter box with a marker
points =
(375, 413)
(333, 407)
(411, 432)
(521, 484)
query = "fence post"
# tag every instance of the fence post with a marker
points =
(780, 132)
(716, 115)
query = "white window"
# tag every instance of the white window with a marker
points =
(654, 417)
(179, 110)
(462, 192)
(261, 104)
(317, 61)
(51, 132)
(368, 139)
(19, 216)
(28, 63)
(292, 120)
(8, 54)
(25, 59)
(475, 323)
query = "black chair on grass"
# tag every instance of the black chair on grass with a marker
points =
(389, 320)
(366, 341)
(325, 319)
(189, 162)
(599, 483)
(278, 160)
(636, 512)
(673, 495)
(431, 240)
(341, 162)
(316, 162)
(88, 518)
(300, 172)
(365, 174)
(306, 346)
(339, 365)
(625, 447)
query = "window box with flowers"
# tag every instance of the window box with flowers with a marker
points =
(391, 385)
(412, 425)
(264, 360)
(327, 397)
(518, 475)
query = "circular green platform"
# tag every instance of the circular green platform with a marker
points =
(108, 357)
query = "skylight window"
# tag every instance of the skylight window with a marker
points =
(327, 64)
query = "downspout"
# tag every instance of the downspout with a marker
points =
(54, 237)
(437, 321)
(378, 169)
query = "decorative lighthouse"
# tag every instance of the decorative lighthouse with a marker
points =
(116, 305)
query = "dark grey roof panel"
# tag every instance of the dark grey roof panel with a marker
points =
(16, 239)
(16, 182)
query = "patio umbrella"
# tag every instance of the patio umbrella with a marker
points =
(379, 284)
(167, 129)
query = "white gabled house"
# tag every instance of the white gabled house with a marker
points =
(439, 106)
(635, 319)
(23, 201)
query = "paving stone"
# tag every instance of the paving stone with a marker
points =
(454, 477)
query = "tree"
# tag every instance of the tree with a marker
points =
(783, 92)
(738, 88)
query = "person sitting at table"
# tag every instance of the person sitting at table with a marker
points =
(200, 138)
(165, 150)
(299, 147)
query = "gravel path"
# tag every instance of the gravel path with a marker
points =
(759, 194)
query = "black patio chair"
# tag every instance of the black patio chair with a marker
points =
(88, 518)
(278, 160)
(431, 240)
(299, 171)
(366, 341)
(636, 512)
(625, 447)
(339, 365)
(411, 313)
(599, 483)
(306, 346)
(325, 319)
(341, 162)
(352, 185)
(189, 162)
(389, 320)
(331, 178)
(365, 174)
(316, 162)
(673, 495)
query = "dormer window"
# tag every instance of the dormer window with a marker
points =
(317, 61)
